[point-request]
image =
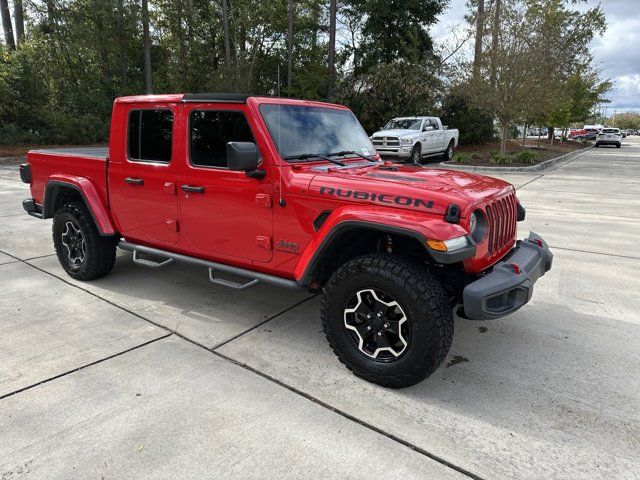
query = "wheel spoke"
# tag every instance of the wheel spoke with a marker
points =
(376, 324)
(394, 327)
(74, 242)
(381, 340)
(364, 330)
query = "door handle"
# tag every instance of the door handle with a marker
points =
(134, 181)
(192, 189)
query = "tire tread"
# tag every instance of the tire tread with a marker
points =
(101, 250)
(429, 295)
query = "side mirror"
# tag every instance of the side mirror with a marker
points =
(427, 128)
(242, 156)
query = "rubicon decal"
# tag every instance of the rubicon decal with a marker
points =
(377, 197)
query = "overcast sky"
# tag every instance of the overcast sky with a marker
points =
(617, 52)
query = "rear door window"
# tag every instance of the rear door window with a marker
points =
(149, 134)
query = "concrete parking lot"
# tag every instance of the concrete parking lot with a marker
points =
(147, 374)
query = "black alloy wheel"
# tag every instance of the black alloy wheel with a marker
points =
(74, 245)
(377, 324)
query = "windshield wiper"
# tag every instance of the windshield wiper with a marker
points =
(304, 156)
(351, 152)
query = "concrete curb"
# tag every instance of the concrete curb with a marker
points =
(540, 167)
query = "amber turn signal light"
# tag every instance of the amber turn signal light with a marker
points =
(437, 245)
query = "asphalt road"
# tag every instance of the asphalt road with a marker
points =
(148, 374)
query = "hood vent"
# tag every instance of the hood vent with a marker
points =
(391, 176)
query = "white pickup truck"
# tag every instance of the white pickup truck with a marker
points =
(414, 138)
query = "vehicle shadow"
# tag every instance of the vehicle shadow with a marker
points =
(181, 298)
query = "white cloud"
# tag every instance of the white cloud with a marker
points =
(616, 53)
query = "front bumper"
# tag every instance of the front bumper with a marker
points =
(510, 285)
(32, 208)
(395, 153)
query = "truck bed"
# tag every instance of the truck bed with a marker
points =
(65, 165)
(89, 152)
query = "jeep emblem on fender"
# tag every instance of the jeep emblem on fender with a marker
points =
(287, 246)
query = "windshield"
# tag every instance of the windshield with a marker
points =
(610, 130)
(404, 124)
(298, 130)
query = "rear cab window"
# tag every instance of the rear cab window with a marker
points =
(150, 135)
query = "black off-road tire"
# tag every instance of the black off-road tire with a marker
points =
(421, 297)
(99, 251)
(618, 145)
(416, 154)
(448, 153)
(597, 145)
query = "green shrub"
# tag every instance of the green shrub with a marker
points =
(527, 157)
(500, 159)
(476, 156)
(12, 134)
(458, 111)
(64, 129)
(462, 157)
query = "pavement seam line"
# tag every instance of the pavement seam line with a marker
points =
(39, 256)
(553, 169)
(586, 193)
(263, 322)
(583, 213)
(251, 369)
(594, 253)
(352, 418)
(9, 262)
(82, 367)
(530, 181)
(585, 150)
(137, 315)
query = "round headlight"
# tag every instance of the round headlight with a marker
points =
(478, 226)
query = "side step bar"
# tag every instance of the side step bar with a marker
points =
(255, 277)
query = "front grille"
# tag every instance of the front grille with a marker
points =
(386, 142)
(502, 218)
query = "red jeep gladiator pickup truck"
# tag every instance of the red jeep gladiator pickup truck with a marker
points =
(292, 193)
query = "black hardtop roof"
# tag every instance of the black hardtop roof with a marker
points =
(216, 97)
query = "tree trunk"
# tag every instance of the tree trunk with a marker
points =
(479, 34)
(182, 52)
(103, 52)
(495, 36)
(18, 15)
(331, 71)
(6, 24)
(190, 12)
(289, 46)
(316, 14)
(503, 137)
(122, 54)
(524, 136)
(146, 42)
(225, 32)
(50, 14)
